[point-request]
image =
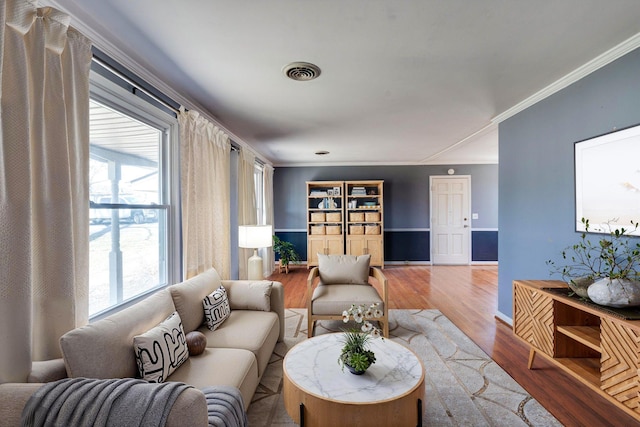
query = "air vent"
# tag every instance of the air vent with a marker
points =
(301, 71)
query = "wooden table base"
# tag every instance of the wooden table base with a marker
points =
(311, 411)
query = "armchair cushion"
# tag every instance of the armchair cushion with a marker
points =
(343, 269)
(334, 299)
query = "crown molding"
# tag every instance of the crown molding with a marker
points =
(595, 64)
(491, 127)
(92, 29)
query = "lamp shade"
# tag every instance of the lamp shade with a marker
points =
(255, 236)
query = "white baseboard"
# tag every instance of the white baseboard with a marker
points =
(506, 319)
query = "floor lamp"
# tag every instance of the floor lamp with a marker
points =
(255, 237)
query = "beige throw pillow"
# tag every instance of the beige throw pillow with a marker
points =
(187, 297)
(250, 296)
(344, 269)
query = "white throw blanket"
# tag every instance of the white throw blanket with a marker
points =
(110, 403)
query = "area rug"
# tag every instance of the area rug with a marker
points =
(463, 386)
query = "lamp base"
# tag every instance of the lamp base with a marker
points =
(254, 270)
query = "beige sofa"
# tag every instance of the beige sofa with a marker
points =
(237, 353)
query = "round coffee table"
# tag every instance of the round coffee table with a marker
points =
(317, 392)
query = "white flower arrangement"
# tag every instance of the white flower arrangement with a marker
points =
(363, 314)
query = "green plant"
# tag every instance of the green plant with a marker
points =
(285, 251)
(615, 256)
(354, 351)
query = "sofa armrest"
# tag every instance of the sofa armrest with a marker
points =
(277, 305)
(13, 397)
(189, 409)
(276, 298)
(47, 370)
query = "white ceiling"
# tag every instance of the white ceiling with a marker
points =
(403, 81)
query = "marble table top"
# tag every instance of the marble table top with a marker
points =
(312, 365)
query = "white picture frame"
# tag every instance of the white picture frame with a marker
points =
(607, 181)
(336, 191)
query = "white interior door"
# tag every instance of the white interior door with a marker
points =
(450, 219)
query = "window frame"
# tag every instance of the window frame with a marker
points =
(114, 95)
(258, 180)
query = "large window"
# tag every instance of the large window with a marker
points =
(132, 215)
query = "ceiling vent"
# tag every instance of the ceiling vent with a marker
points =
(301, 71)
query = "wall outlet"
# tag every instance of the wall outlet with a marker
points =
(474, 216)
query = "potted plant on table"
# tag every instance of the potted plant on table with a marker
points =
(607, 271)
(355, 354)
(286, 252)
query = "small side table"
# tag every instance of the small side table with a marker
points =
(318, 393)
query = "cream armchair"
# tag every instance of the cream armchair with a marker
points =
(342, 280)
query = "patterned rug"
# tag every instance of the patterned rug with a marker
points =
(463, 386)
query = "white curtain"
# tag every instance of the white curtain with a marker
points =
(267, 255)
(44, 188)
(206, 194)
(247, 214)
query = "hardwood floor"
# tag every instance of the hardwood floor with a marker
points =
(468, 296)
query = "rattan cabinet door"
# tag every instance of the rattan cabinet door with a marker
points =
(533, 318)
(620, 362)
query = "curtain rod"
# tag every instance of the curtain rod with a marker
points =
(234, 146)
(136, 86)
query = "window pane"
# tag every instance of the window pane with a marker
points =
(139, 245)
(128, 220)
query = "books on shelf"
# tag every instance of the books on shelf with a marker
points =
(358, 191)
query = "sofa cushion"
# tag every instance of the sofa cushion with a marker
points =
(104, 349)
(188, 295)
(256, 331)
(216, 308)
(161, 350)
(343, 269)
(221, 366)
(248, 295)
(332, 299)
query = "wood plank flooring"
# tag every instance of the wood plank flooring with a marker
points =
(468, 296)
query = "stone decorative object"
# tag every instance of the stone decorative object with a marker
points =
(196, 343)
(580, 285)
(615, 292)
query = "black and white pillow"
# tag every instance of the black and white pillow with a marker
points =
(216, 308)
(161, 350)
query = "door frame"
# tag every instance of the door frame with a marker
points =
(470, 209)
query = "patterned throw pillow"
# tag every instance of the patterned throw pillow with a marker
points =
(216, 308)
(161, 350)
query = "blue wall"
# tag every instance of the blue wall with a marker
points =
(536, 207)
(406, 209)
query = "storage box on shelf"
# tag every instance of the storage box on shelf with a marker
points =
(598, 348)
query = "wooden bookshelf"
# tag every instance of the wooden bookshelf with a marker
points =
(325, 219)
